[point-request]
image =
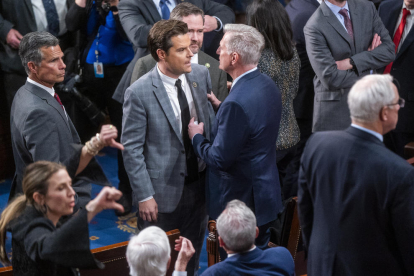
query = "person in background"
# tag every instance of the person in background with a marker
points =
(237, 230)
(148, 253)
(280, 61)
(105, 53)
(41, 245)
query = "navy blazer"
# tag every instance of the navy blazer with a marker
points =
(356, 206)
(242, 158)
(402, 68)
(270, 262)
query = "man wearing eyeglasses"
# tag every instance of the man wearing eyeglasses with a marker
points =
(356, 204)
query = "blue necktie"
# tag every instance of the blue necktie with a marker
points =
(51, 17)
(164, 9)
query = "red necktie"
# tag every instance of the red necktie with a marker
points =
(398, 36)
(347, 22)
(58, 100)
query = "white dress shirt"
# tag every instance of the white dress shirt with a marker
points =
(376, 134)
(234, 254)
(239, 77)
(194, 59)
(40, 14)
(408, 25)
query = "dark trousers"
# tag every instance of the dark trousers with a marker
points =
(396, 141)
(190, 217)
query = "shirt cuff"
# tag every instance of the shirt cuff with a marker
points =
(145, 199)
(193, 138)
(179, 273)
(221, 24)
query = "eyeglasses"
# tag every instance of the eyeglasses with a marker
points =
(401, 103)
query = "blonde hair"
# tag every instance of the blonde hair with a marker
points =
(35, 179)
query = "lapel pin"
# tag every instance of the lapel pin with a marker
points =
(194, 84)
(208, 65)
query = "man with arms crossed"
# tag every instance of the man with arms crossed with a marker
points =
(356, 205)
(345, 40)
(165, 175)
(194, 17)
(242, 158)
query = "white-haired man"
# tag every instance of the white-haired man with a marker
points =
(356, 196)
(237, 229)
(148, 253)
(242, 158)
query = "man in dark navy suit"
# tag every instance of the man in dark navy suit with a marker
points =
(237, 229)
(398, 18)
(356, 204)
(242, 158)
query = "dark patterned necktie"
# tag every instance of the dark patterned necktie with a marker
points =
(58, 100)
(51, 17)
(191, 158)
(348, 23)
(165, 11)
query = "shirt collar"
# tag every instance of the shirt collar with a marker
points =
(376, 134)
(405, 7)
(49, 90)
(239, 77)
(234, 254)
(334, 8)
(168, 80)
(194, 59)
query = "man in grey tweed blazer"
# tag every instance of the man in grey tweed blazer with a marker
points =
(345, 40)
(165, 175)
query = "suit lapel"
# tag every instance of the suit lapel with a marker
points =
(152, 9)
(30, 9)
(202, 58)
(357, 22)
(334, 22)
(161, 94)
(47, 98)
(200, 103)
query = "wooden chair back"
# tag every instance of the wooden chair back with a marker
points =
(113, 256)
(212, 244)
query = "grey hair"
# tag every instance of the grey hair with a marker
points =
(185, 9)
(368, 96)
(30, 47)
(237, 226)
(244, 40)
(148, 252)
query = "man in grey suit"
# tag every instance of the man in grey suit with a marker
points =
(165, 175)
(194, 17)
(345, 40)
(40, 127)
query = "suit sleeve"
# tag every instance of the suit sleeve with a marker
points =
(134, 125)
(305, 205)
(323, 63)
(380, 56)
(5, 27)
(76, 18)
(67, 245)
(134, 23)
(232, 134)
(402, 216)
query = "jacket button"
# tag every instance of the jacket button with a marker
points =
(182, 174)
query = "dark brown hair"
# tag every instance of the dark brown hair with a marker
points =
(185, 9)
(270, 18)
(161, 33)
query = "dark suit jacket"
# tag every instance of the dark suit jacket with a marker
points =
(402, 68)
(138, 17)
(356, 206)
(270, 262)
(327, 42)
(41, 249)
(40, 130)
(18, 15)
(299, 12)
(218, 76)
(242, 157)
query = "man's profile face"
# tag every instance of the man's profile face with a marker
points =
(195, 31)
(52, 68)
(224, 57)
(178, 57)
(409, 4)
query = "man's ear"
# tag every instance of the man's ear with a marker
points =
(39, 198)
(384, 114)
(221, 242)
(161, 54)
(257, 232)
(234, 58)
(32, 67)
